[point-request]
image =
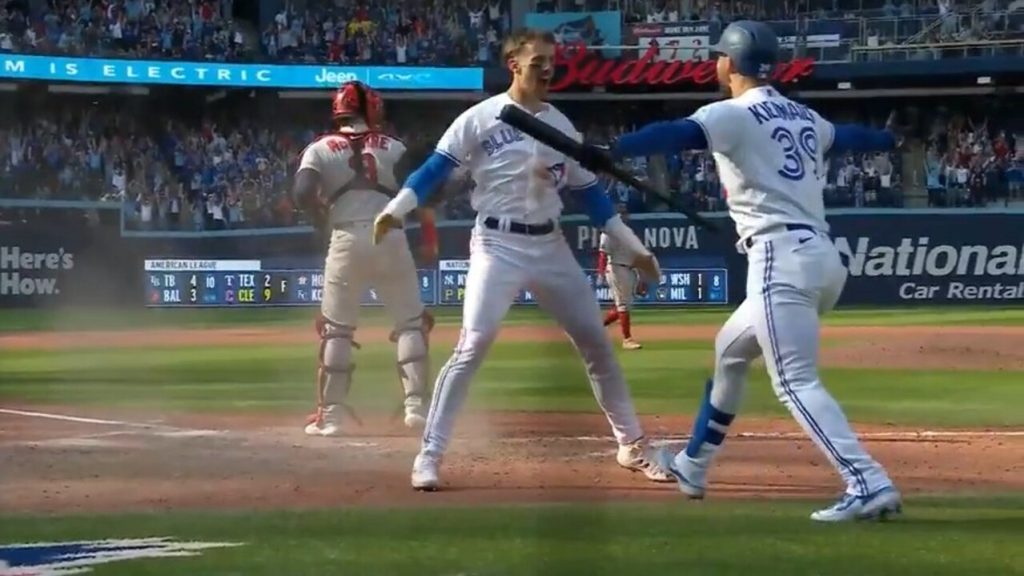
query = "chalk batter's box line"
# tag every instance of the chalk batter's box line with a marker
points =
(892, 436)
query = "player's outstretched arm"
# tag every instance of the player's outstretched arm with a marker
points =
(417, 188)
(856, 138)
(602, 214)
(666, 137)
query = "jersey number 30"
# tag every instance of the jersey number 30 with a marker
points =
(796, 151)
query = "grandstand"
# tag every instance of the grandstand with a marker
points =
(192, 156)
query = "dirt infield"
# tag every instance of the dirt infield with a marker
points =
(66, 459)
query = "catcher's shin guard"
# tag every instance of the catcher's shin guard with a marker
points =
(334, 373)
(413, 352)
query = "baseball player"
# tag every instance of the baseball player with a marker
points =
(516, 244)
(615, 267)
(344, 179)
(770, 152)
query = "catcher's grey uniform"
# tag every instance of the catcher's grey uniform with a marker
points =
(354, 263)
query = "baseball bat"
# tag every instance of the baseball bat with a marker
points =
(555, 138)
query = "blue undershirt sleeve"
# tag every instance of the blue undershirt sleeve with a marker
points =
(855, 138)
(667, 137)
(597, 204)
(429, 176)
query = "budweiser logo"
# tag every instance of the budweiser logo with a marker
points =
(581, 67)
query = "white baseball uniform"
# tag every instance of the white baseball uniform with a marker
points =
(769, 152)
(517, 183)
(354, 264)
(618, 272)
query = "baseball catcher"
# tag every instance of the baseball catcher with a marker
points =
(614, 267)
(344, 179)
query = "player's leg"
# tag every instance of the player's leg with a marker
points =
(494, 278)
(613, 314)
(344, 283)
(624, 280)
(563, 291)
(735, 348)
(397, 282)
(794, 279)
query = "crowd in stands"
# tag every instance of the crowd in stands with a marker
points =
(330, 31)
(224, 170)
(437, 32)
(190, 30)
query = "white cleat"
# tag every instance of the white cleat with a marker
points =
(414, 420)
(690, 479)
(322, 429)
(323, 425)
(640, 457)
(630, 344)
(878, 505)
(424, 473)
(415, 417)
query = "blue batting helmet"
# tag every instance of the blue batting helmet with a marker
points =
(752, 46)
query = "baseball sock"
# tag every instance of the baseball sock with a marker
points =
(611, 317)
(627, 331)
(709, 430)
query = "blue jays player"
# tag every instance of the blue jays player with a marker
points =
(518, 244)
(769, 151)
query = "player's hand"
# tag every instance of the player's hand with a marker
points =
(594, 159)
(383, 224)
(647, 266)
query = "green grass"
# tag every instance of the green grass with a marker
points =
(936, 537)
(667, 378)
(114, 319)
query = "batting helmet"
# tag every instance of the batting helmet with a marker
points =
(357, 99)
(752, 46)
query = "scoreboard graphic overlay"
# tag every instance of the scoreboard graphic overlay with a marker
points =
(228, 283)
(678, 287)
(171, 283)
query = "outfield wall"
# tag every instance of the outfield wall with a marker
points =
(898, 257)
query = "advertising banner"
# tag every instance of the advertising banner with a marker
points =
(589, 28)
(218, 74)
(896, 257)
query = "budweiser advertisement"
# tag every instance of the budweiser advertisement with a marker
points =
(579, 67)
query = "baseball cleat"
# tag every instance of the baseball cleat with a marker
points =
(690, 482)
(424, 473)
(322, 429)
(630, 344)
(321, 426)
(639, 457)
(878, 505)
(414, 417)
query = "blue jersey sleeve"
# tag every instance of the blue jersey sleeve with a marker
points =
(666, 137)
(597, 204)
(855, 138)
(430, 175)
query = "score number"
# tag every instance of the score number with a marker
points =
(267, 292)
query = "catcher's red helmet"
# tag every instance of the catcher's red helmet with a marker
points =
(357, 99)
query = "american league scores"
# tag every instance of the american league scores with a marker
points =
(769, 153)
(517, 243)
